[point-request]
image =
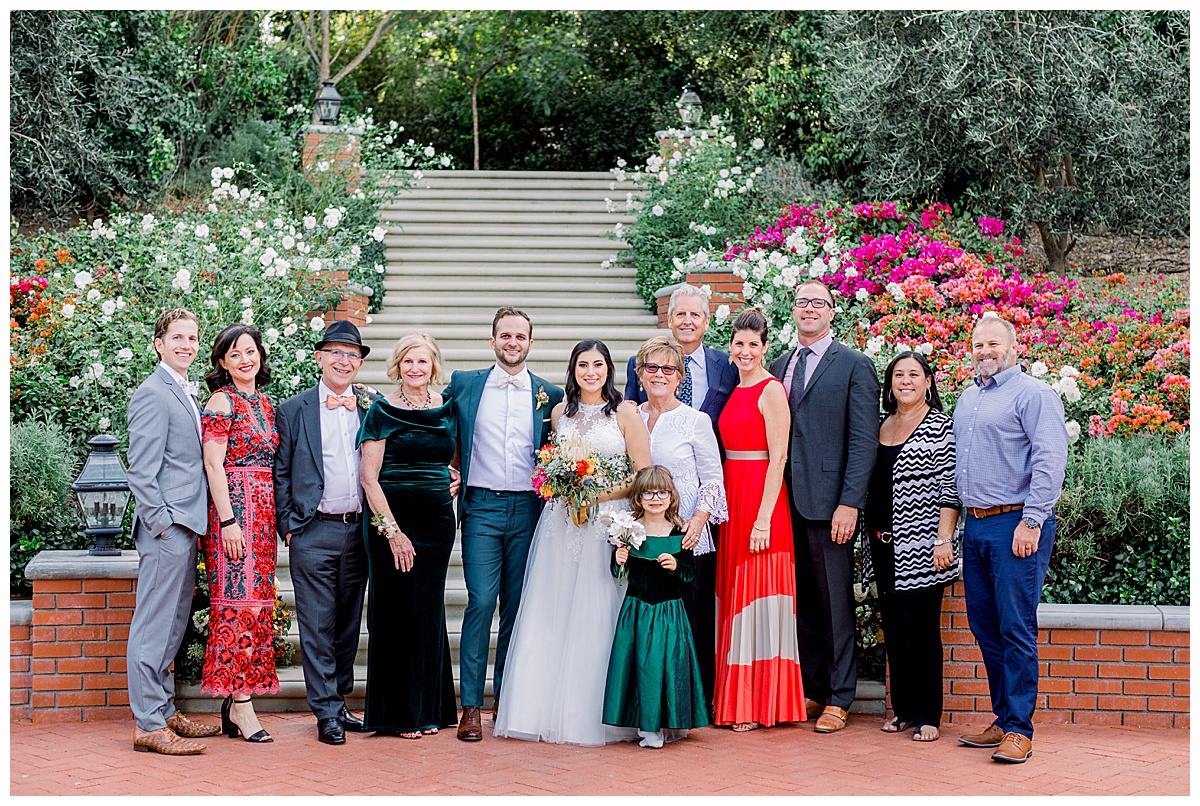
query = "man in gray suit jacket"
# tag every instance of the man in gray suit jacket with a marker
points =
(833, 392)
(166, 475)
(318, 512)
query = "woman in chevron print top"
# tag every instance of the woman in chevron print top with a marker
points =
(912, 514)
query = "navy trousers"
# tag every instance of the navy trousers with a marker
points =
(1002, 593)
(497, 529)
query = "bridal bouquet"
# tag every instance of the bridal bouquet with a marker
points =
(570, 472)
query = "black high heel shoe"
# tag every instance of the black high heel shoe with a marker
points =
(230, 728)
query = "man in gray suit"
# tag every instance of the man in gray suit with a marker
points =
(318, 510)
(833, 392)
(166, 475)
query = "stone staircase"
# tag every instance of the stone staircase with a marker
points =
(458, 248)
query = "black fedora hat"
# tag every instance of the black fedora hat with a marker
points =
(343, 333)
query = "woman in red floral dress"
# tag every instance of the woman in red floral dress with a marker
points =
(239, 549)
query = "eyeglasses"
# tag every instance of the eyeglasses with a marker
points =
(342, 354)
(665, 369)
(817, 304)
(663, 494)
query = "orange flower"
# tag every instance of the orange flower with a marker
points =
(64, 255)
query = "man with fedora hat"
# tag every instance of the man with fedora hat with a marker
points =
(318, 510)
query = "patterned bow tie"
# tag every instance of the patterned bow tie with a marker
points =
(333, 401)
(510, 380)
(191, 387)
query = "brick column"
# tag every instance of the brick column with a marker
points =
(352, 308)
(82, 607)
(333, 149)
(20, 652)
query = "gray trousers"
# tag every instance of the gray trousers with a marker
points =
(329, 574)
(166, 582)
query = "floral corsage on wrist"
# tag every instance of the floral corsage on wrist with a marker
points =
(542, 398)
(388, 528)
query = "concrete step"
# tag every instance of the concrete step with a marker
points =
(546, 336)
(533, 303)
(523, 193)
(600, 288)
(480, 319)
(456, 215)
(487, 205)
(505, 256)
(529, 229)
(504, 242)
(517, 176)
(527, 269)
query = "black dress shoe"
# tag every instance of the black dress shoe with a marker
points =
(349, 721)
(330, 731)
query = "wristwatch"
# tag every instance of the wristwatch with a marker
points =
(1031, 523)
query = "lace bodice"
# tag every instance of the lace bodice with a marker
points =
(604, 435)
(599, 429)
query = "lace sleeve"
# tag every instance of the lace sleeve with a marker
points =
(712, 479)
(216, 426)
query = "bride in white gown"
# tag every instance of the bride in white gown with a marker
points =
(558, 656)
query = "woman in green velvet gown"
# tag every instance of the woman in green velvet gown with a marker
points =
(653, 677)
(407, 444)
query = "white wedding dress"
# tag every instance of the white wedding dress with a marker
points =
(558, 656)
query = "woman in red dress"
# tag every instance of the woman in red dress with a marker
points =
(239, 549)
(758, 664)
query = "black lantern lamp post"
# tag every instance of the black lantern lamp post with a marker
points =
(689, 106)
(328, 103)
(102, 491)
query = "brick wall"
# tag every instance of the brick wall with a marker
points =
(338, 147)
(80, 627)
(726, 290)
(1095, 675)
(352, 308)
(20, 656)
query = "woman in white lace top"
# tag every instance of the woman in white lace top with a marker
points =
(682, 440)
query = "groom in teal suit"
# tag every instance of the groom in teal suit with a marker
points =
(503, 418)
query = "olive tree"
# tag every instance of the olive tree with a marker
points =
(1066, 119)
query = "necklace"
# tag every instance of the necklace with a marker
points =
(414, 406)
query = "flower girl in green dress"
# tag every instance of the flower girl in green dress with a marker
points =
(653, 679)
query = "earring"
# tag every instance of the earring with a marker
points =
(888, 396)
(929, 395)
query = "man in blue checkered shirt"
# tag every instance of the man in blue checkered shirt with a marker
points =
(1011, 455)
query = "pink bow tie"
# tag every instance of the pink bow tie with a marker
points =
(333, 401)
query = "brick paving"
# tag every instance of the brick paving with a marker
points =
(97, 758)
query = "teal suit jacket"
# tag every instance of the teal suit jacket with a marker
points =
(466, 390)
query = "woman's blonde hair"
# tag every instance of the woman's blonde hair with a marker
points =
(655, 477)
(661, 344)
(406, 343)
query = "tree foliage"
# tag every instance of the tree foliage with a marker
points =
(1062, 119)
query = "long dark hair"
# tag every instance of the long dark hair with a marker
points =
(931, 397)
(218, 376)
(612, 397)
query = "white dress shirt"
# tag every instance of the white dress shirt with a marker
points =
(683, 442)
(339, 457)
(184, 383)
(810, 365)
(697, 362)
(502, 442)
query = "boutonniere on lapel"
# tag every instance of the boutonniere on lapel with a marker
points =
(542, 398)
(363, 393)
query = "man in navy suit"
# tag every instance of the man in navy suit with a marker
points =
(503, 419)
(708, 380)
(318, 509)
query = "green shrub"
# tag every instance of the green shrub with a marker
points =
(1123, 524)
(41, 464)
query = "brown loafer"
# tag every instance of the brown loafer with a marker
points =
(182, 726)
(1015, 748)
(832, 720)
(166, 742)
(470, 728)
(990, 737)
(812, 707)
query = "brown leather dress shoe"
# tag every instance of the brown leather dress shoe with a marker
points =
(165, 741)
(182, 726)
(1015, 748)
(831, 720)
(990, 737)
(470, 728)
(812, 708)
